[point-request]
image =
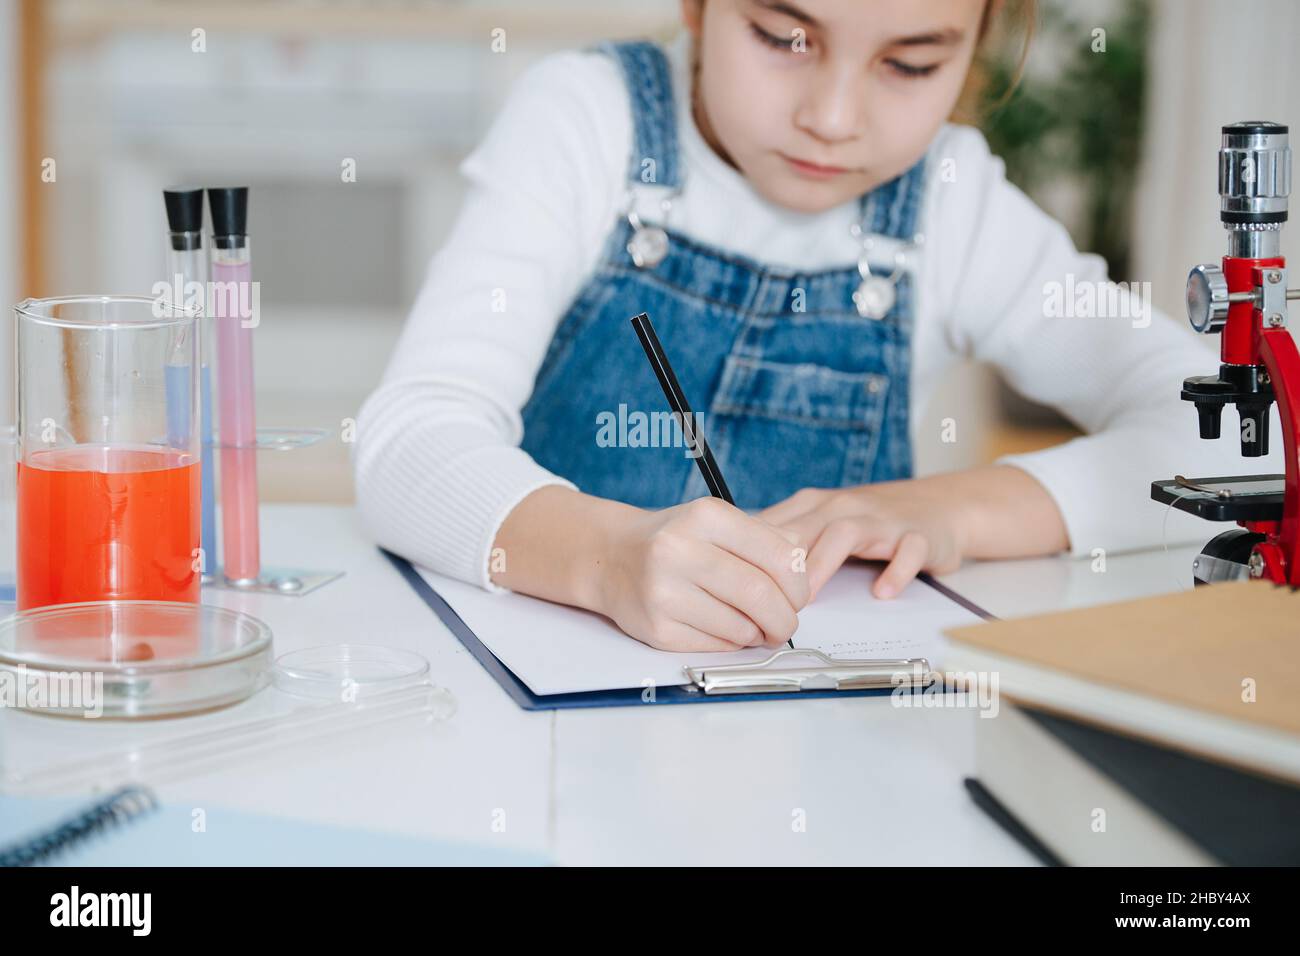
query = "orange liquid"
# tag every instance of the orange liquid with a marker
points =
(100, 523)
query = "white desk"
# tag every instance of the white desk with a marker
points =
(697, 784)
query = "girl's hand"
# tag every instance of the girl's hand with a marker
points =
(707, 576)
(701, 576)
(905, 523)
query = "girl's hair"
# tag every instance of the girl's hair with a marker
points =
(1006, 29)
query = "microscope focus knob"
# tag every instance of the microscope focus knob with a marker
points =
(1207, 298)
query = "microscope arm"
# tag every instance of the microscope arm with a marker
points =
(1281, 555)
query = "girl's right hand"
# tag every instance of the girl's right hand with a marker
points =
(702, 576)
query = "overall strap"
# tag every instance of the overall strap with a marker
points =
(646, 72)
(892, 208)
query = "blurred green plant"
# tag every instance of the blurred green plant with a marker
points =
(1080, 116)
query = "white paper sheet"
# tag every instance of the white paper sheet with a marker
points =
(557, 650)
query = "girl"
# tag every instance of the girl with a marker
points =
(781, 192)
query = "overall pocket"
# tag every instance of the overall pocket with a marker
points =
(777, 427)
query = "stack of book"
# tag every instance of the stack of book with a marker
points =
(1163, 731)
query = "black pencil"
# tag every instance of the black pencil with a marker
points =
(680, 407)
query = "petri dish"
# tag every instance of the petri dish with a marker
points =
(348, 672)
(132, 659)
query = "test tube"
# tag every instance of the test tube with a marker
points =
(233, 311)
(8, 520)
(187, 274)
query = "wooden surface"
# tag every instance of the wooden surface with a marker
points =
(32, 44)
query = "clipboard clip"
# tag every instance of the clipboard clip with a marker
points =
(782, 672)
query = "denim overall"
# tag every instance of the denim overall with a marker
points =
(792, 387)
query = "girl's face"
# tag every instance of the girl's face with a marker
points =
(819, 101)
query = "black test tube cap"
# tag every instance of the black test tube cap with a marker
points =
(229, 208)
(184, 215)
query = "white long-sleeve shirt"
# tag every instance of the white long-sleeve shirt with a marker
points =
(437, 458)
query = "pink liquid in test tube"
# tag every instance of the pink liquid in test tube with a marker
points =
(232, 296)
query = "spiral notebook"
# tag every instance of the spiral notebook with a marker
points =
(129, 827)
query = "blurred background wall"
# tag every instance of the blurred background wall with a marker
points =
(127, 96)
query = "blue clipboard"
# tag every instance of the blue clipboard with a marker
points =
(622, 697)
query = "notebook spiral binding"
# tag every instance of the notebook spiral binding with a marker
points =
(117, 809)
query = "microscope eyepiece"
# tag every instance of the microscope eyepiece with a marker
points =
(1254, 176)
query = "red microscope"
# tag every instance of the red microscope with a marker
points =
(1245, 301)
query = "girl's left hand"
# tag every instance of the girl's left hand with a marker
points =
(906, 523)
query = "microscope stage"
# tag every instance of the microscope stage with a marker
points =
(1231, 498)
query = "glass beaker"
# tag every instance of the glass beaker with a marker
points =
(108, 450)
